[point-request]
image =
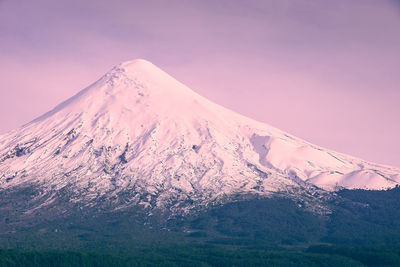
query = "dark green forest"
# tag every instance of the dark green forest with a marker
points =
(361, 229)
(192, 256)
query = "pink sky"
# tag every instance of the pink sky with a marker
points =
(326, 71)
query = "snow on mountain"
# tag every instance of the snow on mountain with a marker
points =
(138, 130)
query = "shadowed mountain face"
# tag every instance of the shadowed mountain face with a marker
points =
(139, 138)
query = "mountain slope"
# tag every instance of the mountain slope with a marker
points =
(139, 137)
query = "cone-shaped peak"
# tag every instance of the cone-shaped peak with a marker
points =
(139, 130)
(143, 72)
(130, 87)
(142, 75)
(139, 67)
(137, 64)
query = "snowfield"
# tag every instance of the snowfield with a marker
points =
(139, 130)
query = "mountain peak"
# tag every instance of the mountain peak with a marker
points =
(139, 132)
(136, 63)
(131, 85)
(140, 73)
(140, 69)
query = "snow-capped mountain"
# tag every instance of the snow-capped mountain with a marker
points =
(140, 132)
